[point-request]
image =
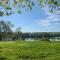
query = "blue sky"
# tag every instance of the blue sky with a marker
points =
(38, 20)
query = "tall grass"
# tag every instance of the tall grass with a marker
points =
(29, 50)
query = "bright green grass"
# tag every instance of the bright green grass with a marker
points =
(33, 50)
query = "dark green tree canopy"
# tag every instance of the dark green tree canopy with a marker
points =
(8, 7)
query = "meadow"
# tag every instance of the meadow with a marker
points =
(29, 50)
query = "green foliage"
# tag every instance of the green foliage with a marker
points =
(5, 26)
(1, 13)
(0, 3)
(55, 2)
(8, 8)
(45, 39)
(19, 10)
(28, 4)
(5, 30)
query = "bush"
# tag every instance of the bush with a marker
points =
(44, 39)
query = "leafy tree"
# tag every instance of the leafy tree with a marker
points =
(5, 26)
(17, 35)
(18, 29)
(7, 7)
(5, 29)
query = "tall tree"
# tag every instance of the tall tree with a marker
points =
(5, 29)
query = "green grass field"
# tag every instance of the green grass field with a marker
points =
(29, 50)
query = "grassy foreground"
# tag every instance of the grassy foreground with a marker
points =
(33, 50)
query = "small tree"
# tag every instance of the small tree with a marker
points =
(17, 34)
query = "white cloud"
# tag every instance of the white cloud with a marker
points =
(52, 19)
(43, 22)
(49, 21)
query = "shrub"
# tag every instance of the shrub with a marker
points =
(44, 39)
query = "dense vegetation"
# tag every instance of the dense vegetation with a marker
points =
(7, 7)
(6, 33)
(33, 50)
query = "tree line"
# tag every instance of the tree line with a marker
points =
(6, 33)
